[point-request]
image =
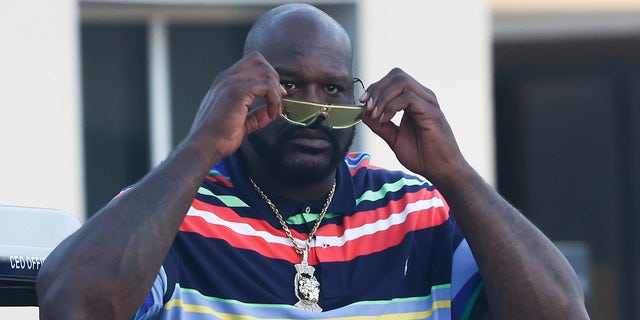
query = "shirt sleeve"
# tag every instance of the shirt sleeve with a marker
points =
(467, 289)
(152, 306)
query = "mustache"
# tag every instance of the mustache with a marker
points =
(290, 130)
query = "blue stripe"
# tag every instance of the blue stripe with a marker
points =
(373, 308)
(153, 303)
(464, 266)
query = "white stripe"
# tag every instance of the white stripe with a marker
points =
(380, 225)
(241, 228)
(320, 241)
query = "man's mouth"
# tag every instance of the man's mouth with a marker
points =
(310, 140)
(310, 143)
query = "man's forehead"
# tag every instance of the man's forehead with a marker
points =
(313, 59)
(327, 73)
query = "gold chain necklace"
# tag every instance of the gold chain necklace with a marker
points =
(307, 287)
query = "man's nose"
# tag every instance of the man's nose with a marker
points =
(313, 93)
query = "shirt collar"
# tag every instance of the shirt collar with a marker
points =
(343, 202)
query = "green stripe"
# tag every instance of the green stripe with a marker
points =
(472, 301)
(163, 274)
(371, 195)
(304, 218)
(229, 201)
(441, 286)
(215, 173)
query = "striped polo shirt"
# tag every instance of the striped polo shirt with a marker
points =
(388, 247)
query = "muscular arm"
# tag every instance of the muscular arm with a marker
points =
(525, 276)
(108, 266)
(105, 269)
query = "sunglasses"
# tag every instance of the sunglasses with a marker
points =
(304, 113)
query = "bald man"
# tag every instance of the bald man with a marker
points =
(260, 212)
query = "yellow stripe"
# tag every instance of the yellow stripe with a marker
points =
(177, 303)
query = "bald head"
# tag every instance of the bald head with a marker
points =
(294, 18)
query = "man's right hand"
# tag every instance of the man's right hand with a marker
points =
(225, 117)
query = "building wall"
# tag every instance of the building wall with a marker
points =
(39, 106)
(446, 46)
(40, 138)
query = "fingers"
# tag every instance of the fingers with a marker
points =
(273, 97)
(396, 91)
(230, 109)
(255, 77)
(258, 119)
(388, 131)
(261, 116)
(251, 79)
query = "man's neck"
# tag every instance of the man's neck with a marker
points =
(266, 180)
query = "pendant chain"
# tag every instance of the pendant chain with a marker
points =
(284, 224)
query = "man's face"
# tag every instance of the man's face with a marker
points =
(314, 68)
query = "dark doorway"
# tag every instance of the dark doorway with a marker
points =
(568, 149)
(197, 54)
(115, 109)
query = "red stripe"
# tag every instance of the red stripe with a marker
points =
(358, 219)
(220, 179)
(122, 192)
(395, 206)
(363, 245)
(363, 163)
(381, 240)
(255, 243)
(228, 214)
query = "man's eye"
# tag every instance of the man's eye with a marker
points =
(332, 89)
(288, 85)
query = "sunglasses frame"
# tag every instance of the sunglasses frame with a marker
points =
(323, 110)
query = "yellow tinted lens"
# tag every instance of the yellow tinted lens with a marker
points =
(344, 116)
(300, 112)
(305, 113)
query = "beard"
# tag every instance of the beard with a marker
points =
(299, 171)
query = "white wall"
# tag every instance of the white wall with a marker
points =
(446, 46)
(40, 131)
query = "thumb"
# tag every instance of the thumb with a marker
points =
(387, 130)
(258, 119)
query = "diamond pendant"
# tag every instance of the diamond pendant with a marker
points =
(307, 287)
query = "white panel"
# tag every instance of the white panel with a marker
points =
(159, 90)
(40, 113)
(22, 313)
(446, 46)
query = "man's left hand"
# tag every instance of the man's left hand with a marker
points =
(423, 142)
